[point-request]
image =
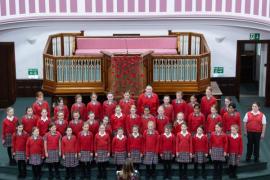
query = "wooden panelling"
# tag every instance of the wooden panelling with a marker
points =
(28, 87)
(227, 85)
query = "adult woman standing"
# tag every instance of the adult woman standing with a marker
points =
(128, 172)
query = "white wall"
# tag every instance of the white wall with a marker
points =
(223, 53)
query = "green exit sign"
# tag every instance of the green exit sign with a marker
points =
(218, 71)
(254, 36)
(33, 73)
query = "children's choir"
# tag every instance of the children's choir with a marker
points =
(146, 133)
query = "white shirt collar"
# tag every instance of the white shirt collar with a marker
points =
(184, 134)
(135, 135)
(167, 136)
(102, 134)
(255, 113)
(199, 136)
(120, 138)
(10, 118)
(43, 119)
(119, 115)
(234, 136)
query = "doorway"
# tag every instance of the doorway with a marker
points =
(252, 69)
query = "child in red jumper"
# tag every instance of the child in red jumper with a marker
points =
(80, 107)
(224, 109)
(70, 154)
(19, 140)
(8, 128)
(135, 144)
(43, 123)
(102, 151)
(190, 105)
(118, 120)
(235, 150)
(109, 105)
(93, 123)
(119, 148)
(180, 119)
(52, 146)
(212, 120)
(167, 150)
(61, 124)
(231, 117)
(126, 103)
(61, 107)
(146, 118)
(168, 108)
(132, 119)
(40, 104)
(29, 120)
(200, 151)
(218, 150)
(179, 104)
(161, 120)
(95, 106)
(183, 150)
(107, 125)
(76, 124)
(35, 152)
(150, 149)
(85, 145)
(195, 119)
(208, 101)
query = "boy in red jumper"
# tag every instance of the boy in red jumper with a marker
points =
(135, 144)
(231, 117)
(93, 124)
(61, 107)
(218, 146)
(85, 145)
(29, 120)
(208, 101)
(109, 105)
(179, 104)
(167, 150)
(61, 124)
(150, 149)
(195, 119)
(132, 119)
(235, 150)
(183, 150)
(161, 120)
(180, 119)
(126, 103)
(52, 146)
(76, 124)
(79, 106)
(19, 140)
(212, 120)
(118, 120)
(70, 154)
(254, 128)
(8, 128)
(200, 151)
(146, 118)
(40, 104)
(119, 148)
(168, 108)
(102, 148)
(35, 152)
(43, 123)
(95, 106)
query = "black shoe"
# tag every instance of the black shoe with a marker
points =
(247, 159)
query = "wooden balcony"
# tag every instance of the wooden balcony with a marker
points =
(67, 74)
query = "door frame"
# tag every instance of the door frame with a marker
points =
(267, 65)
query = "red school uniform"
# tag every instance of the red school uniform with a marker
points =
(151, 101)
(118, 121)
(169, 112)
(167, 143)
(108, 108)
(184, 143)
(211, 122)
(8, 128)
(145, 120)
(38, 106)
(85, 141)
(189, 109)
(126, 105)
(235, 144)
(93, 126)
(230, 119)
(133, 121)
(43, 125)
(206, 105)
(194, 121)
(200, 144)
(29, 122)
(61, 126)
(63, 109)
(76, 126)
(223, 110)
(179, 106)
(218, 141)
(255, 122)
(96, 108)
(135, 143)
(35, 147)
(108, 129)
(150, 142)
(52, 140)
(81, 108)
(177, 127)
(69, 145)
(19, 142)
(161, 122)
(102, 142)
(119, 145)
